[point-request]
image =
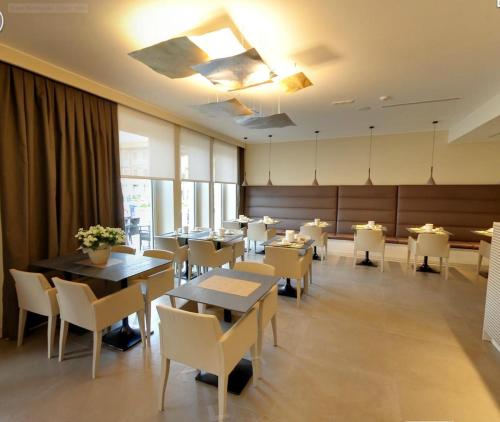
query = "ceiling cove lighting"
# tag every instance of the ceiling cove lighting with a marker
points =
(431, 180)
(245, 183)
(315, 181)
(369, 180)
(269, 183)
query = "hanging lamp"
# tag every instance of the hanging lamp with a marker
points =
(431, 180)
(315, 181)
(245, 183)
(269, 183)
(369, 180)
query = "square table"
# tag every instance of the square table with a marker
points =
(120, 268)
(274, 242)
(367, 261)
(425, 267)
(242, 302)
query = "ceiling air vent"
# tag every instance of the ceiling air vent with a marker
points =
(440, 100)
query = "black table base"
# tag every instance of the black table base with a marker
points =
(237, 380)
(316, 257)
(227, 316)
(287, 289)
(367, 262)
(122, 338)
(426, 268)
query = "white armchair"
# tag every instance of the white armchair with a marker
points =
(202, 253)
(429, 244)
(35, 294)
(483, 252)
(288, 264)
(238, 251)
(320, 238)
(181, 252)
(369, 241)
(197, 340)
(123, 249)
(79, 306)
(257, 232)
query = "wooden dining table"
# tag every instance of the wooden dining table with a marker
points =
(119, 269)
(222, 288)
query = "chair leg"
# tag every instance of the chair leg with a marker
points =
(255, 363)
(172, 301)
(51, 333)
(165, 367)
(222, 395)
(479, 262)
(147, 311)
(21, 325)
(274, 324)
(446, 269)
(298, 288)
(306, 283)
(311, 273)
(96, 352)
(189, 272)
(63, 335)
(140, 318)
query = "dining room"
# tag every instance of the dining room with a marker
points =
(249, 211)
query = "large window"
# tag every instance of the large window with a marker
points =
(224, 203)
(147, 167)
(225, 170)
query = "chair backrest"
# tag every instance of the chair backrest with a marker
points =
(368, 240)
(201, 252)
(256, 231)
(484, 248)
(284, 260)
(433, 244)
(231, 225)
(31, 291)
(123, 249)
(314, 232)
(75, 303)
(190, 338)
(254, 267)
(160, 254)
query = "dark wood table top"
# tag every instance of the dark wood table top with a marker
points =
(121, 265)
(307, 244)
(205, 235)
(232, 302)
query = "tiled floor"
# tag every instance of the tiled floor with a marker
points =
(364, 346)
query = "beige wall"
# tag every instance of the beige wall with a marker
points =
(397, 159)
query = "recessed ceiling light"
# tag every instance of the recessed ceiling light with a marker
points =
(385, 98)
(343, 102)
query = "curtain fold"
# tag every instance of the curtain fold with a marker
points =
(241, 177)
(59, 170)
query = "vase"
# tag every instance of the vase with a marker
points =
(99, 256)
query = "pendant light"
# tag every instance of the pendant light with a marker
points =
(269, 183)
(315, 181)
(431, 180)
(245, 183)
(369, 180)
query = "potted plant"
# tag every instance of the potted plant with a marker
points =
(97, 241)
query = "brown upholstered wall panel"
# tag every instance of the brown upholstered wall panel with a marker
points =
(359, 204)
(293, 205)
(459, 209)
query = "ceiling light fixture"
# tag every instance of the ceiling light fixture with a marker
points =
(218, 44)
(369, 180)
(269, 183)
(315, 181)
(245, 183)
(343, 102)
(431, 180)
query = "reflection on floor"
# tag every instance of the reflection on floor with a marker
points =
(364, 346)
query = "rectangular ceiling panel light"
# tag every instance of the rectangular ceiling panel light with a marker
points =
(237, 72)
(266, 122)
(295, 82)
(218, 44)
(174, 58)
(232, 107)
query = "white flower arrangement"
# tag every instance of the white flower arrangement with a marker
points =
(99, 237)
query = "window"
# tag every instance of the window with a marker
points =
(147, 166)
(195, 204)
(224, 203)
(225, 165)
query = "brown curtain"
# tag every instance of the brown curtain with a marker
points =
(59, 170)
(241, 176)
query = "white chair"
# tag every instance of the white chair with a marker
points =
(181, 252)
(288, 263)
(35, 294)
(257, 232)
(238, 251)
(268, 305)
(155, 285)
(429, 244)
(320, 238)
(196, 340)
(123, 249)
(79, 306)
(203, 254)
(369, 241)
(483, 252)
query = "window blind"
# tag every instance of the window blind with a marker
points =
(195, 156)
(225, 158)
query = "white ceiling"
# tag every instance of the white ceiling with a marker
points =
(409, 50)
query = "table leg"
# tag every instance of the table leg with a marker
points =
(426, 268)
(287, 289)
(238, 378)
(316, 257)
(367, 262)
(124, 337)
(227, 315)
